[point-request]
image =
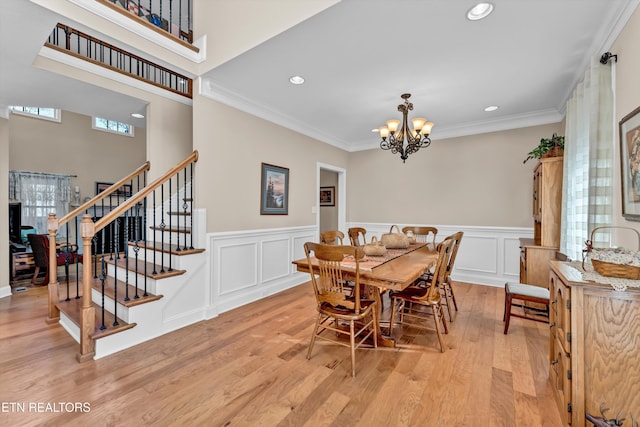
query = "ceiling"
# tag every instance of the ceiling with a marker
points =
(359, 56)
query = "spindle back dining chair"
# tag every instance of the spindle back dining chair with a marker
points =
(332, 302)
(415, 305)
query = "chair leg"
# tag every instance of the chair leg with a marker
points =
(507, 310)
(444, 320)
(374, 313)
(35, 275)
(453, 297)
(313, 336)
(352, 339)
(440, 339)
(393, 316)
(447, 301)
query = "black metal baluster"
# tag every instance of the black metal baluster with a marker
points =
(162, 228)
(184, 208)
(154, 213)
(126, 255)
(191, 208)
(170, 224)
(115, 271)
(103, 276)
(77, 259)
(136, 246)
(144, 234)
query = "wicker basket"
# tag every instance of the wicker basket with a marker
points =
(620, 271)
(609, 269)
(374, 248)
(396, 240)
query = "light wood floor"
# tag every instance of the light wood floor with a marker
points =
(248, 367)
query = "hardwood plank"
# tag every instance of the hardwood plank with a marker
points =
(248, 367)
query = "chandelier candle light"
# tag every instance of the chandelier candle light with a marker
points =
(416, 138)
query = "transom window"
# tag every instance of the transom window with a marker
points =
(38, 112)
(114, 126)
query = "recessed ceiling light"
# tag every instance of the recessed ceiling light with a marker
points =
(491, 108)
(375, 130)
(296, 80)
(479, 11)
(137, 115)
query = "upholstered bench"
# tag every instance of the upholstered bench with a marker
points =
(530, 293)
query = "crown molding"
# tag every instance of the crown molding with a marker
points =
(208, 88)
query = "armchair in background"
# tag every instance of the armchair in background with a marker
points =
(65, 255)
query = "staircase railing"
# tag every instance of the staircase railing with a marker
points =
(106, 238)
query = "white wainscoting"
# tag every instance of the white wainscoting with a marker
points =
(487, 255)
(245, 266)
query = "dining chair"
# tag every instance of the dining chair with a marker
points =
(445, 286)
(333, 303)
(332, 237)
(413, 303)
(357, 236)
(423, 234)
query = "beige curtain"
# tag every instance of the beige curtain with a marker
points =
(588, 160)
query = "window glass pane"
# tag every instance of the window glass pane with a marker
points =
(47, 112)
(113, 126)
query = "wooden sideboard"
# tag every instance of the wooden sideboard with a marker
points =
(594, 347)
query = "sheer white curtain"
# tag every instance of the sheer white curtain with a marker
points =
(40, 194)
(588, 160)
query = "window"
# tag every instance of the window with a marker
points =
(40, 195)
(107, 125)
(52, 114)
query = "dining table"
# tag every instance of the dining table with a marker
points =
(395, 274)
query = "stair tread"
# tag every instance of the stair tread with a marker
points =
(109, 291)
(179, 213)
(73, 310)
(167, 248)
(150, 267)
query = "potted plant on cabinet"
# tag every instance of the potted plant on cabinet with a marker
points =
(548, 147)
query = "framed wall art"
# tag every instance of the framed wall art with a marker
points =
(327, 196)
(125, 190)
(630, 165)
(274, 190)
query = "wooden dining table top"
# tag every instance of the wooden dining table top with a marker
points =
(395, 274)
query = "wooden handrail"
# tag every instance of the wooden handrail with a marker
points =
(133, 200)
(102, 195)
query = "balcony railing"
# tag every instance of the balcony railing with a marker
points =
(172, 16)
(104, 54)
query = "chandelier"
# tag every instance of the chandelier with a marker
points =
(416, 138)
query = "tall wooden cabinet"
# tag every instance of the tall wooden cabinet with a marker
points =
(536, 253)
(594, 345)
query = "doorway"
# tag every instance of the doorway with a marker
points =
(331, 213)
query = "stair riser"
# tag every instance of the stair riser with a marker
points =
(123, 312)
(176, 260)
(151, 283)
(169, 237)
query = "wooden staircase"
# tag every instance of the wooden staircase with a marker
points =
(126, 297)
